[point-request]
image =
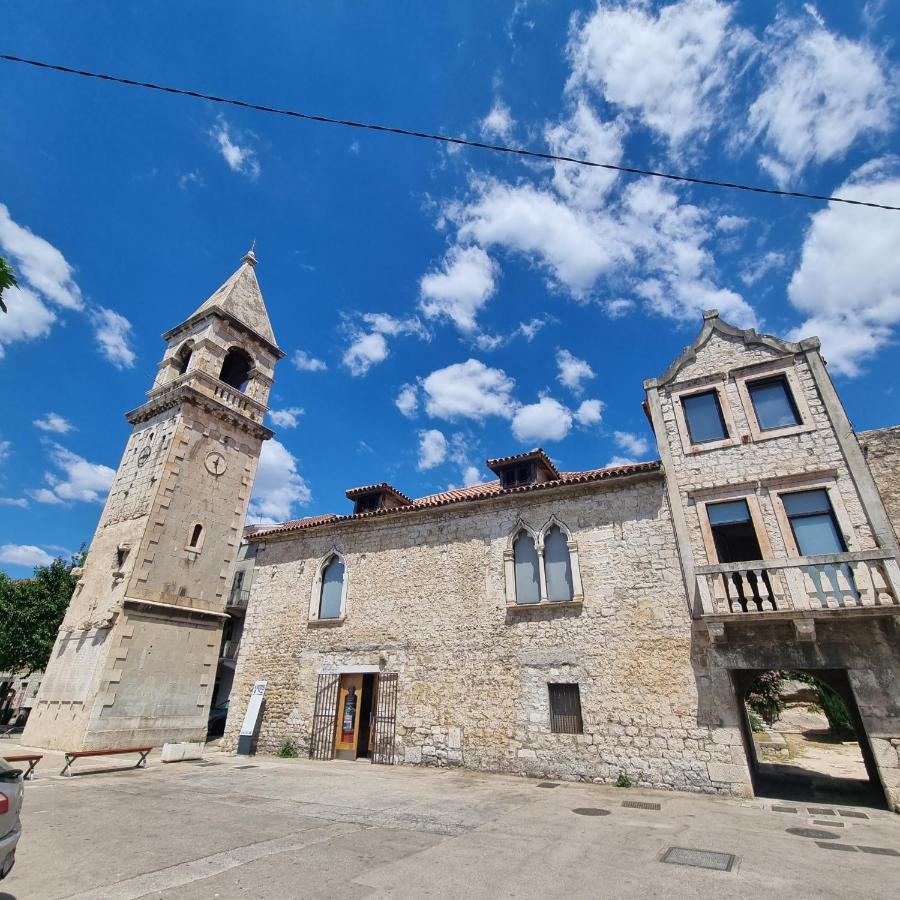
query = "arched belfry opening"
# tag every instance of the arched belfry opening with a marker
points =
(236, 368)
(183, 357)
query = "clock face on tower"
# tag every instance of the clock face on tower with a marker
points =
(215, 462)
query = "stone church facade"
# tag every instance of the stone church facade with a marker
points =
(589, 624)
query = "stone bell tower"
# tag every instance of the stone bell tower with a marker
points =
(135, 659)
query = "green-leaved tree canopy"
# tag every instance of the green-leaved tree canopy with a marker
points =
(31, 611)
(7, 280)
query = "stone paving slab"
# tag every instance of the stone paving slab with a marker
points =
(296, 828)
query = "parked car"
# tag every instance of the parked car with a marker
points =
(217, 716)
(12, 790)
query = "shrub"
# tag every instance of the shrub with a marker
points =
(764, 696)
(623, 780)
(756, 723)
(287, 751)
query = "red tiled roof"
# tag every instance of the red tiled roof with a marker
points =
(484, 491)
(536, 454)
(381, 487)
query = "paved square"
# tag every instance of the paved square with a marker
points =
(295, 828)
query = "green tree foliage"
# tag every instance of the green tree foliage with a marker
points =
(833, 706)
(7, 280)
(31, 611)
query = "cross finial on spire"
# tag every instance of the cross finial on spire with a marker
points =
(250, 256)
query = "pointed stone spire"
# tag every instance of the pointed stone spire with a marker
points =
(241, 298)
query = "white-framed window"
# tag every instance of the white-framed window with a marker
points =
(704, 418)
(774, 401)
(328, 599)
(542, 566)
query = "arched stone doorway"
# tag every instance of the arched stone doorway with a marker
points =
(789, 777)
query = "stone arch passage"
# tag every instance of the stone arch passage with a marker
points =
(777, 772)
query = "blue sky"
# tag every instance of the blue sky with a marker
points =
(437, 308)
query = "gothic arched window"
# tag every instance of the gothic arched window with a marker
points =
(528, 588)
(557, 566)
(332, 593)
(195, 542)
(236, 368)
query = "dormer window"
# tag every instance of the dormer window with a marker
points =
(374, 497)
(533, 467)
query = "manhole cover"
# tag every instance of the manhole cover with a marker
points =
(590, 811)
(825, 846)
(815, 833)
(784, 809)
(881, 851)
(548, 784)
(702, 859)
(245, 767)
(640, 804)
(818, 811)
(829, 824)
(853, 814)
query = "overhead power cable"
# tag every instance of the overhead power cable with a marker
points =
(443, 138)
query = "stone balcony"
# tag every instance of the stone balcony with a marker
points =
(237, 600)
(801, 589)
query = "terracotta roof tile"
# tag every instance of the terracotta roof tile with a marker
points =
(476, 492)
(537, 454)
(382, 486)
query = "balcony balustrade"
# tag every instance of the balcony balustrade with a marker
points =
(238, 598)
(833, 581)
(229, 650)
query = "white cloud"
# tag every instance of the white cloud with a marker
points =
(113, 333)
(754, 270)
(4, 451)
(634, 445)
(620, 461)
(460, 289)
(76, 480)
(370, 347)
(21, 502)
(546, 420)
(365, 351)
(848, 281)
(527, 330)
(239, 158)
(286, 418)
(615, 309)
(822, 91)
(54, 422)
(590, 412)
(584, 136)
(572, 371)
(471, 475)
(408, 400)
(432, 449)
(279, 488)
(469, 390)
(673, 69)
(24, 555)
(26, 319)
(498, 123)
(39, 263)
(191, 179)
(306, 363)
(730, 224)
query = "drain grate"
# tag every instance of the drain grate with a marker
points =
(548, 784)
(701, 859)
(881, 851)
(853, 814)
(590, 811)
(829, 824)
(784, 809)
(816, 833)
(640, 804)
(818, 811)
(847, 847)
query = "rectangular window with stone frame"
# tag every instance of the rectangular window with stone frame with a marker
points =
(565, 709)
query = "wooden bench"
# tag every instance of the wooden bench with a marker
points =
(72, 755)
(31, 758)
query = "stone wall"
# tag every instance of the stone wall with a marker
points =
(882, 451)
(426, 599)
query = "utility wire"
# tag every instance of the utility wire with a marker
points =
(478, 145)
